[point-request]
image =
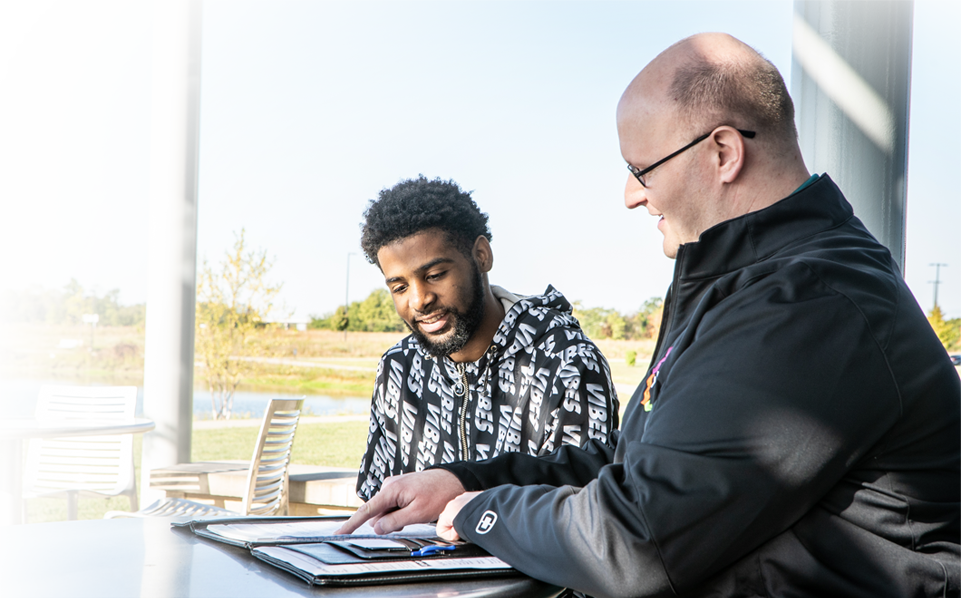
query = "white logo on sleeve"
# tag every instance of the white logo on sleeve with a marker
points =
(487, 521)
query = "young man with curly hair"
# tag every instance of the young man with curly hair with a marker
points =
(483, 371)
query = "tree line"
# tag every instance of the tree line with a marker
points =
(606, 323)
(376, 314)
(68, 305)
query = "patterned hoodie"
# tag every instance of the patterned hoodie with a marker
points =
(542, 383)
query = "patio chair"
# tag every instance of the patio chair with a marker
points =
(84, 465)
(267, 478)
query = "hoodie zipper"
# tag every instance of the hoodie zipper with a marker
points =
(464, 394)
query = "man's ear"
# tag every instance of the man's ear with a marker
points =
(483, 254)
(730, 156)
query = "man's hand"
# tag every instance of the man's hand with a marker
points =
(406, 499)
(445, 523)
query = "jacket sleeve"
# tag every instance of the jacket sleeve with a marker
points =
(761, 410)
(567, 466)
(582, 403)
(381, 442)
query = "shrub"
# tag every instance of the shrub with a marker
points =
(122, 351)
(124, 356)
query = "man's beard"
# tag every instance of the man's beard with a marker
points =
(465, 324)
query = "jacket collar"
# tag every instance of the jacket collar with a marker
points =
(754, 237)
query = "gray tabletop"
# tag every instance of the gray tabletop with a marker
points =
(126, 558)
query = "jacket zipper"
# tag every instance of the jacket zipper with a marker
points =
(465, 398)
(667, 312)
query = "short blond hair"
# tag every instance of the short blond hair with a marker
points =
(745, 93)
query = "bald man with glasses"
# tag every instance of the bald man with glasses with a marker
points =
(797, 431)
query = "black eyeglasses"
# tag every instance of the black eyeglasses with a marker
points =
(639, 174)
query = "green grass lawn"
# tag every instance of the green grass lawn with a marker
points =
(336, 444)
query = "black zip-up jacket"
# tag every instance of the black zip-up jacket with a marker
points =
(797, 434)
(542, 383)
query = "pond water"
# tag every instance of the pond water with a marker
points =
(19, 397)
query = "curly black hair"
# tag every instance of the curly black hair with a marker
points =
(415, 205)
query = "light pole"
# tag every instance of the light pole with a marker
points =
(936, 281)
(347, 294)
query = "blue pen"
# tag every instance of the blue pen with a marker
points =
(430, 550)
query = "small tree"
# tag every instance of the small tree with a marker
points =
(948, 331)
(74, 304)
(231, 302)
(376, 313)
(616, 325)
(42, 305)
(593, 320)
(649, 317)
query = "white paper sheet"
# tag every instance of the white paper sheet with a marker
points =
(321, 528)
(378, 544)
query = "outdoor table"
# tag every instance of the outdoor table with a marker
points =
(13, 432)
(126, 558)
(313, 489)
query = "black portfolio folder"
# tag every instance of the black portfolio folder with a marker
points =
(307, 548)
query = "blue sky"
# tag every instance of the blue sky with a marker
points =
(308, 109)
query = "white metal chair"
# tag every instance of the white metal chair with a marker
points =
(267, 478)
(174, 507)
(88, 465)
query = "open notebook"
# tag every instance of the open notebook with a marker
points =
(308, 548)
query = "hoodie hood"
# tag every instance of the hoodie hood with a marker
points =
(527, 320)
